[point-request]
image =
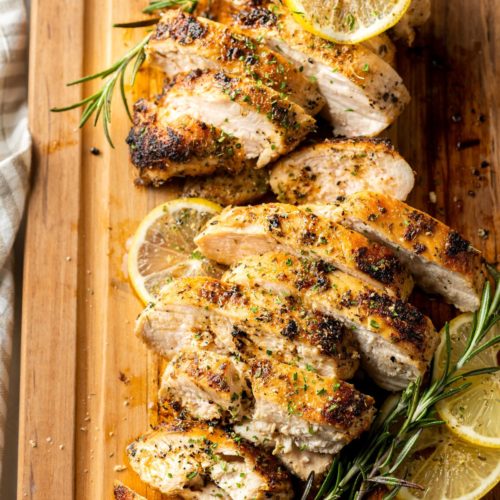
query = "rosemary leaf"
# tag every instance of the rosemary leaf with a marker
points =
(138, 24)
(188, 5)
(99, 103)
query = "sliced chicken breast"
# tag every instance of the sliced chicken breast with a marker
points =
(417, 14)
(242, 317)
(327, 171)
(266, 124)
(440, 260)
(186, 456)
(254, 230)
(122, 492)
(302, 463)
(382, 46)
(396, 341)
(182, 43)
(363, 93)
(229, 189)
(299, 407)
(209, 491)
(161, 148)
(207, 384)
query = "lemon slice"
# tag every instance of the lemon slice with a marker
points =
(162, 248)
(449, 468)
(350, 21)
(473, 414)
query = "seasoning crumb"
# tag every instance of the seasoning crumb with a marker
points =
(120, 468)
(95, 151)
(33, 443)
(83, 429)
(483, 233)
(68, 258)
(111, 434)
(482, 118)
(432, 197)
(61, 447)
(123, 378)
(485, 164)
(471, 193)
(456, 117)
(49, 440)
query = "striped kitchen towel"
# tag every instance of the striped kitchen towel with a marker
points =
(15, 157)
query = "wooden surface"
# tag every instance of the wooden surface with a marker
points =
(86, 380)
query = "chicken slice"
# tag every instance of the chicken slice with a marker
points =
(207, 384)
(265, 124)
(182, 43)
(209, 491)
(327, 171)
(302, 463)
(184, 456)
(382, 46)
(363, 93)
(229, 189)
(122, 492)
(161, 148)
(298, 407)
(417, 14)
(396, 341)
(440, 260)
(254, 230)
(298, 461)
(244, 319)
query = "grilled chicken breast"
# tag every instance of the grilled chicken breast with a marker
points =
(302, 462)
(327, 171)
(229, 189)
(441, 260)
(363, 93)
(161, 148)
(208, 385)
(187, 455)
(319, 414)
(240, 317)
(417, 14)
(122, 492)
(182, 43)
(254, 230)
(396, 341)
(265, 124)
(382, 46)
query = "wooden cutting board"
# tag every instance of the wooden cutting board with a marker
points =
(86, 380)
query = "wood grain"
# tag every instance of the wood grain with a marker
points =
(88, 385)
(49, 324)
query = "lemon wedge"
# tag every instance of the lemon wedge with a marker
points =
(449, 468)
(472, 414)
(162, 247)
(350, 21)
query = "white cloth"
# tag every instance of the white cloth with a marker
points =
(15, 158)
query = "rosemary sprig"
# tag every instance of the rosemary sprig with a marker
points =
(187, 5)
(393, 435)
(100, 102)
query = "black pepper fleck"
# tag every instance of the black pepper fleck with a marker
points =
(469, 143)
